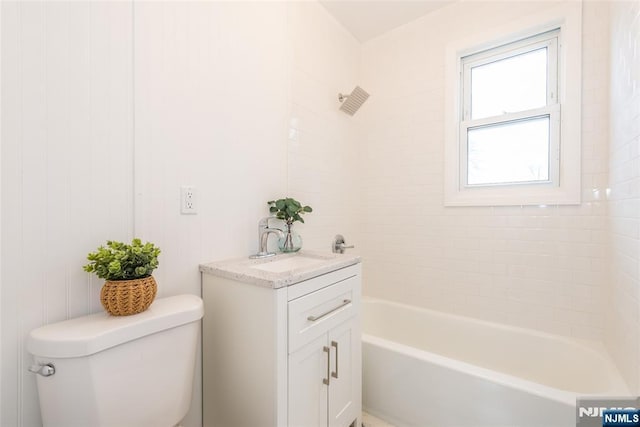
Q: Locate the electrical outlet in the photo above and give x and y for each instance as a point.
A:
(188, 204)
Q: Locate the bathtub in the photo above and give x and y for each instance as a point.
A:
(426, 368)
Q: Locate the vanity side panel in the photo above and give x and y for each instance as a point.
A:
(244, 344)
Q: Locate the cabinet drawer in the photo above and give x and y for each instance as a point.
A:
(319, 282)
(314, 314)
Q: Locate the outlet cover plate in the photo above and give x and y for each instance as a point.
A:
(188, 205)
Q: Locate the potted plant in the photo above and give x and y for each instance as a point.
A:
(129, 288)
(289, 210)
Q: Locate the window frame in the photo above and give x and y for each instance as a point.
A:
(562, 23)
(548, 40)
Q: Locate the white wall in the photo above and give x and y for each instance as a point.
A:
(210, 111)
(66, 169)
(322, 146)
(0, 214)
(108, 108)
(211, 105)
(538, 267)
(623, 332)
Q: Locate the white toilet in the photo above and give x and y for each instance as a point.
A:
(109, 371)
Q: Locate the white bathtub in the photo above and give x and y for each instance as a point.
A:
(425, 368)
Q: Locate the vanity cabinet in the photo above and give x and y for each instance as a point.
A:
(286, 356)
(323, 344)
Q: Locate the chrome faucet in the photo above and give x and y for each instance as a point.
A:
(263, 237)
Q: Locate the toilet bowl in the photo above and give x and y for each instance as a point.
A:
(110, 371)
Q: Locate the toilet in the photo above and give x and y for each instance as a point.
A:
(111, 371)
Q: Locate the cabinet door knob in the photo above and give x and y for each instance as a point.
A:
(335, 344)
(328, 351)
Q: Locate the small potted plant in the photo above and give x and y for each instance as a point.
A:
(289, 210)
(129, 288)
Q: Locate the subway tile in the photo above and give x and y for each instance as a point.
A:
(540, 262)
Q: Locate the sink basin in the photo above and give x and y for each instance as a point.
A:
(286, 264)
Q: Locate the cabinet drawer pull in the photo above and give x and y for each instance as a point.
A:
(328, 351)
(314, 318)
(335, 374)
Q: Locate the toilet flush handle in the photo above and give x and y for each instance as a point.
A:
(44, 369)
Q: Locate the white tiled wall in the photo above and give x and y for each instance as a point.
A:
(539, 267)
(623, 326)
(322, 146)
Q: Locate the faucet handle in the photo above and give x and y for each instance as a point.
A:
(264, 222)
(338, 245)
(263, 235)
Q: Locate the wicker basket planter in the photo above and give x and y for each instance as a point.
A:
(126, 297)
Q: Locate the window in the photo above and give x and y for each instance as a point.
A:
(513, 128)
(509, 108)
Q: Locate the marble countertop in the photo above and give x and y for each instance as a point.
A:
(286, 270)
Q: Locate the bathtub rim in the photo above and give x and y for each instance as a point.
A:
(618, 387)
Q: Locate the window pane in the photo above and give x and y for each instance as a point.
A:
(509, 152)
(513, 84)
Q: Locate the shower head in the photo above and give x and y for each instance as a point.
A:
(351, 103)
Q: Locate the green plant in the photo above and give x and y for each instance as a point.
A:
(119, 261)
(289, 210)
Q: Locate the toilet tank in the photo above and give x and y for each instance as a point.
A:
(113, 371)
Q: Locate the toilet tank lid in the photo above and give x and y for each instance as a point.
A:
(87, 335)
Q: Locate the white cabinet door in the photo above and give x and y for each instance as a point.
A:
(332, 358)
(344, 382)
(308, 368)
